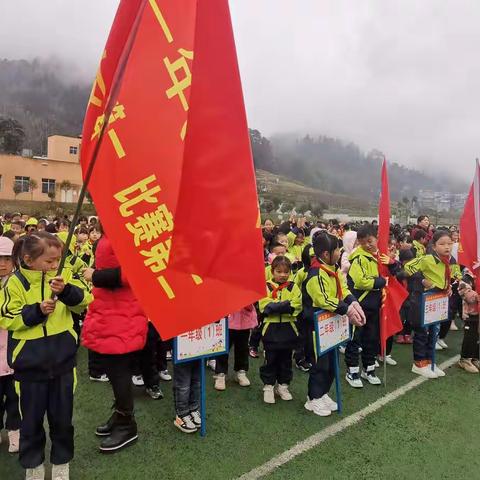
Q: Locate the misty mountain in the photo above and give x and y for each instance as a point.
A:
(337, 166)
(38, 96)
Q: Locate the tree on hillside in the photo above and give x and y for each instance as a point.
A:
(12, 135)
(262, 152)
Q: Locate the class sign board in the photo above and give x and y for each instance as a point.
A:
(208, 341)
(331, 330)
(434, 308)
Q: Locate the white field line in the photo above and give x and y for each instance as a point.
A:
(319, 437)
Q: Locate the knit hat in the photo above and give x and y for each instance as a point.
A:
(6, 247)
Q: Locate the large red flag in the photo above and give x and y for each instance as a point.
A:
(173, 181)
(469, 248)
(394, 294)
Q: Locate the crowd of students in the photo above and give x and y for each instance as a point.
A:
(308, 267)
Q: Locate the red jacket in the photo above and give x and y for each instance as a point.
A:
(115, 322)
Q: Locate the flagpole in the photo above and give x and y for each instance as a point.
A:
(122, 63)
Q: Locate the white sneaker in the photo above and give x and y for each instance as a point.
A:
(390, 360)
(283, 392)
(377, 365)
(453, 326)
(102, 378)
(137, 380)
(438, 371)
(37, 473)
(442, 343)
(426, 371)
(220, 382)
(353, 377)
(438, 346)
(318, 407)
(268, 395)
(333, 406)
(370, 376)
(242, 379)
(165, 376)
(341, 350)
(169, 355)
(211, 364)
(61, 472)
(14, 441)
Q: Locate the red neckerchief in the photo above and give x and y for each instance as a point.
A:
(448, 272)
(316, 264)
(278, 289)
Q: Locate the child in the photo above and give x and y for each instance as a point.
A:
(280, 308)
(37, 309)
(437, 274)
(366, 284)
(412, 285)
(469, 360)
(8, 396)
(326, 289)
(420, 243)
(186, 394)
(296, 244)
(239, 326)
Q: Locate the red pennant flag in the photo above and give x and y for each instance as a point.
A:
(173, 181)
(394, 294)
(469, 248)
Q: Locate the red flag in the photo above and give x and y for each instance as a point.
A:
(173, 181)
(469, 248)
(394, 294)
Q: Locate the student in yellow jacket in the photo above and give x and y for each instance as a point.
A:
(420, 242)
(437, 270)
(326, 289)
(280, 309)
(42, 349)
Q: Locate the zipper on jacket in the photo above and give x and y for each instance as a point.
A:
(44, 326)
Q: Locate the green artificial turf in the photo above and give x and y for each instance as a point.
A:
(432, 425)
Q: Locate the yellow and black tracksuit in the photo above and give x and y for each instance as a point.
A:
(325, 288)
(366, 284)
(432, 268)
(280, 309)
(418, 249)
(42, 351)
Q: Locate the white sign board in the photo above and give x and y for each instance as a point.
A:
(435, 308)
(332, 330)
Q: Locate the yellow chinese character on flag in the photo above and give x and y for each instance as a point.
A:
(145, 192)
(151, 225)
(157, 256)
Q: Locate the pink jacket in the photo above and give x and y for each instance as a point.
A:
(4, 368)
(245, 319)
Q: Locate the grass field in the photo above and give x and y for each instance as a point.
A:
(430, 433)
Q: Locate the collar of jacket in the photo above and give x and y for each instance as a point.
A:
(35, 276)
(360, 252)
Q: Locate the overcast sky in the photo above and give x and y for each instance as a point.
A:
(400, 76)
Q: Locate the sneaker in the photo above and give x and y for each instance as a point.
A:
(453, 326)
(424, 368)
(303, 365)
(376, 364)
(342, 349)
(37, 473)
(165, 376)
(253, 352)
(61, 472)
(476, 362)
(389, 360)
(400, 339)
(438, 371)
(370, 376)
(438, 346)
(185, 424)
(318, 406)
(442, 343)
(123, 434)
(169, 355)
(467, 365)
(211, 364)
(137, 380)
(196, 418)
(14, 441)
(155, 392)
(268, 395)
(408, 339)
(242, 379)
(220, 382)
(101, 378)
(283, 392)
(353, 377)
(333, 406)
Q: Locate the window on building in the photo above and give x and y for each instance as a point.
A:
(73, 150)
(48, 185)
(23, 183)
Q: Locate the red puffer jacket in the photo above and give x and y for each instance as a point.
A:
(115, 322)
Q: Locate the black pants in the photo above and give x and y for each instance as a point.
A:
(255, 337)
(470, 346)
(9, 404)
(148, 358)
(304, 350)
(366, 337)
(186, 387)
(424, 340)
(277, 367)
(238, 340)
(163, 346)
(321, 375)
(54, 398)
(407, 327)
(95, 367)
(119, 369)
